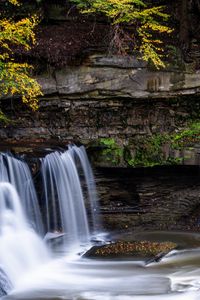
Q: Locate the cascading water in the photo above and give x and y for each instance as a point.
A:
(21, 250)
(65, 206)
(80, 154)
(18, 174)
(24, 259)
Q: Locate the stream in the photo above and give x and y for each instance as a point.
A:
(51, 265)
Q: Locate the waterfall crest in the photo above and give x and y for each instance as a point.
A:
(64, 200)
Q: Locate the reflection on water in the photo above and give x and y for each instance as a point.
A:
(176, 276)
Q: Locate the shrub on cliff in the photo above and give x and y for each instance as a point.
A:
(15, 77)
(148, 23)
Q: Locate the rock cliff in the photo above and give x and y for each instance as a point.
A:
(109, 97)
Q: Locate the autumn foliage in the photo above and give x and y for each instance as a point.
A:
(15, 77)
(148, 23)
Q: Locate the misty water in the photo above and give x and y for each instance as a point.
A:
(47, 262)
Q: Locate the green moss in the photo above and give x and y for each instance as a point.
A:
(4, 119)
(150, 151)
(187, 137)
(111, 151)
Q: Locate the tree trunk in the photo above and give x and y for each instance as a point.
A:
(184, 24)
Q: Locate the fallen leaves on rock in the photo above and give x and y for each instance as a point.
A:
(145, 248)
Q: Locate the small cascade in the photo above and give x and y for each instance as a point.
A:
(21, 249)
(79, 154)
(65, 207)
(18, 174)
(67, 178)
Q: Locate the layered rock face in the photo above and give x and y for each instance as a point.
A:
(105, 77)
(108, 101)
(108, 97)
(160, 198)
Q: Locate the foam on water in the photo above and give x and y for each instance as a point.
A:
(21, 249)
(25, 259)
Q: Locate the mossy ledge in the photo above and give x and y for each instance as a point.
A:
(152, 150)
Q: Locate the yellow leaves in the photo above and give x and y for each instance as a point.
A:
(4, 56)
(15, 77)
(152, 26)
(150, 53)
(20, 32)
(154, 11)
(111, 8)
(14, 2)
(15, 80)
(147, 21)
(150, 47)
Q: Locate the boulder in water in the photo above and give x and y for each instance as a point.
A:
(141, 249)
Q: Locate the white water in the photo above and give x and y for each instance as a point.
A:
(80, 153)
(21, 249)
(18, 174)
(76, 278)
(65, 207)
(25, 258)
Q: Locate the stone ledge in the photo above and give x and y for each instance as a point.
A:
(103, 77)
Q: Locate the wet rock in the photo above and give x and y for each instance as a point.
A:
(136, 249)
(168, 199)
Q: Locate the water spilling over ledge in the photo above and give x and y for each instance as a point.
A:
(21, 248)
(36, 268)
(18, 174)
(61, 182)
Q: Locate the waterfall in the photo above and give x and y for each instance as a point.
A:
(68, 193)
(18, 174)
(64, 200)
(80, 154)
(21, 249)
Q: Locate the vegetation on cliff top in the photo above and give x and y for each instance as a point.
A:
(149, 22)
(17, 36)
(15, 77)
